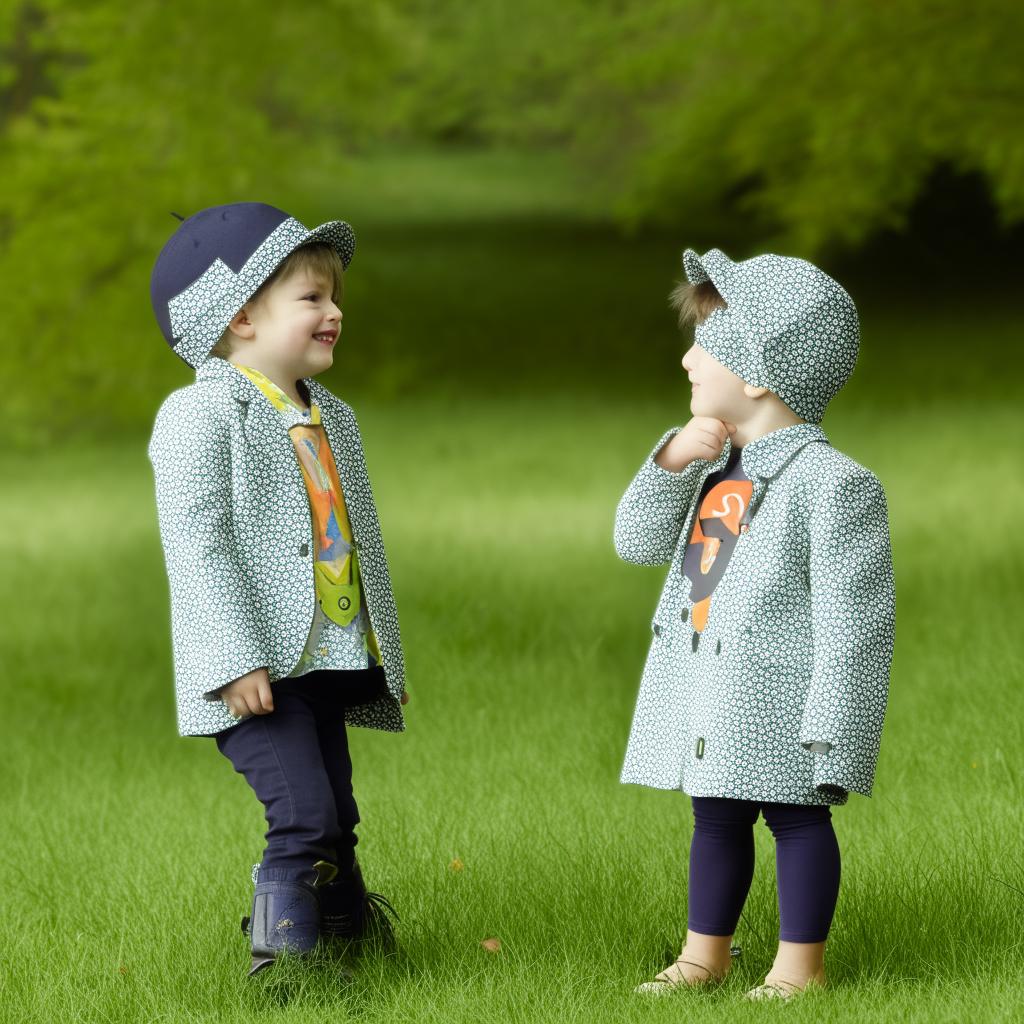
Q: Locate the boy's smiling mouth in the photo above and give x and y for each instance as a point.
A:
(326, 337)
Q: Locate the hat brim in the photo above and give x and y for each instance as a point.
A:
(693, 268)
(336, 233)
(233, 290)
(713, 266)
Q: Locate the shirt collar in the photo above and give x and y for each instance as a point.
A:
(766, 455)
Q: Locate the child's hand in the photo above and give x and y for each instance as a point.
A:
(405, 697)
(249, 694)
(702, 438)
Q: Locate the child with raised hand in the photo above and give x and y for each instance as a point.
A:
(767, 679)
(283, 625)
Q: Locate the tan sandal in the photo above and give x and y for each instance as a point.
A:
(664, 983)
(781, 989)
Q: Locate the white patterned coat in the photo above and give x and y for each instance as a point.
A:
(228, 481)
(799, 637)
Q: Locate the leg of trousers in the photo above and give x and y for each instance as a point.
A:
(807, 868)
(337, 761)
(297, 762)
(722, 866)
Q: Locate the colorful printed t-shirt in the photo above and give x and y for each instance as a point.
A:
(716, 528)
(340, 636)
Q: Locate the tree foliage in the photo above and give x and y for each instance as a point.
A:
(808, 123)
(816, 122)
(112, 115)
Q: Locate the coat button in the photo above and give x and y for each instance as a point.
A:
(304, 550)
(684, 614)
(695, 639)
(657, 629)
(718, 647)
(700, 746)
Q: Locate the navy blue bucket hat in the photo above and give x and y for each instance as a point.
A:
(217, 260)
(787, 326)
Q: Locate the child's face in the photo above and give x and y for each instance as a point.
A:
(716, 390)
(280, 330)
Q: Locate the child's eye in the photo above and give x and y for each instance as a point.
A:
(313, 295)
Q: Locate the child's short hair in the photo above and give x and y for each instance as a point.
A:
(318, 258)
(695, 302)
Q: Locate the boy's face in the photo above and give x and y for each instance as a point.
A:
(292, 329)
(716, 390)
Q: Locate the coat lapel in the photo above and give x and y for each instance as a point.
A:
(264, 426)
(766, 456)
(266, 430)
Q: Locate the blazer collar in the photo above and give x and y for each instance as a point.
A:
(766, 455)
(244, 389)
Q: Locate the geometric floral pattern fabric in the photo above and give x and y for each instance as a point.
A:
(787, 326)
(228, 482)
(797, 644)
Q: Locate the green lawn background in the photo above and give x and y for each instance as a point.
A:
(509, 378)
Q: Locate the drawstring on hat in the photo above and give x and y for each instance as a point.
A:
(178, 215)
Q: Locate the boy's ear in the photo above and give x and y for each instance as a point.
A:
(241, 326)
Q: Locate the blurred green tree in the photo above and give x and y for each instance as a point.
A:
(801, 124)
(110, 112)
(817, 123)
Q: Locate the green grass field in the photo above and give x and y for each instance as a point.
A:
(127, 850)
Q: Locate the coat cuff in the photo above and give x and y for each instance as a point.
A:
(215, 694)
(842, 767)
(667, 477)
(654, 508)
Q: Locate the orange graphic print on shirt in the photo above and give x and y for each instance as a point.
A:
(335, 565)
(716, 528)
(339, 592)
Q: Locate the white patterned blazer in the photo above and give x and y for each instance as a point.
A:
(799, 637)
(228, 481)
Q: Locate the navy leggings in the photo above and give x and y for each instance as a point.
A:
(722, 866)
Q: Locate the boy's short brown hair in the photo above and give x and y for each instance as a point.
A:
(695, 302)
(319, 259)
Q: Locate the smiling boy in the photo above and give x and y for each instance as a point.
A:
(284, 628)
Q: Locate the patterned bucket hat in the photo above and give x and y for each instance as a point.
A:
(217, 259)
(787, 326)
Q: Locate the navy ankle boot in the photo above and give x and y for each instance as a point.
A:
(285, 914)
(348, 912)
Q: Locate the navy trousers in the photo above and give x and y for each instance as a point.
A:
(722, 866)
(296, 760)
